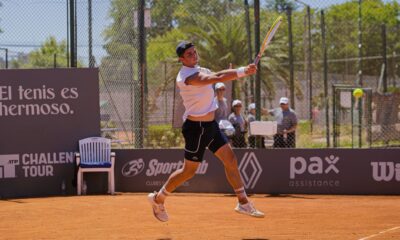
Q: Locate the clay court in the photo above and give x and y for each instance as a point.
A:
(201, 216)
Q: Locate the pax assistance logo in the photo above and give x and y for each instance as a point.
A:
(250, 169)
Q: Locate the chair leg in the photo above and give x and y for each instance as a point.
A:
(112, 183)
(109, 182)
(79, 182)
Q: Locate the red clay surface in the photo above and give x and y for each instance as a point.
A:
(201, 216)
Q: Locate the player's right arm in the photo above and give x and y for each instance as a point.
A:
(201, 79)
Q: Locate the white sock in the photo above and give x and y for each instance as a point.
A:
(162, 194)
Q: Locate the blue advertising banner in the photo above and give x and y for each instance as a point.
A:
(43, 114)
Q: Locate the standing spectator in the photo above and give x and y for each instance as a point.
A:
(222, 111)
(239, 123)
(287, 123)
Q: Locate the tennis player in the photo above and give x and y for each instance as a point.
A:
(201, 131)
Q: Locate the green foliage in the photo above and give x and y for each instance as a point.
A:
(120, 35)
(342, 32)
(44, 56)
(163, 136)
(393, 89)
(280, 5)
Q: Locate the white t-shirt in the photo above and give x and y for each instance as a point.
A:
(198, 100)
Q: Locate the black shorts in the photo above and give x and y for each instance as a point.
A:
(198, 136)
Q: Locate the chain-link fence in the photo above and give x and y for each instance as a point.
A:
(319, 44)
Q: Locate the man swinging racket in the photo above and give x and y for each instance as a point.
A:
(201, 131)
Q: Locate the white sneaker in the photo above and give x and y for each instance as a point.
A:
(158, 208)
(249, 209)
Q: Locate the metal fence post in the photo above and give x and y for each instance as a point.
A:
(384, 58)
(139, 133)
(72, 27)
(291, 66)
(326, 95)
(258, 74)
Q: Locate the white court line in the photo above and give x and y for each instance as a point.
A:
(381, 232)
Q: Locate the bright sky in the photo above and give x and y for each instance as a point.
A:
(27, 23)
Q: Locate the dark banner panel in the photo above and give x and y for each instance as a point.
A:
(316, 171)
(43, 114)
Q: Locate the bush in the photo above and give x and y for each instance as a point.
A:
(164, 136)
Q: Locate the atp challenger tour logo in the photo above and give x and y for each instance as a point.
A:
(7, 165)
(385, 171)
(249, 164)
(320, 167)
(33, 164)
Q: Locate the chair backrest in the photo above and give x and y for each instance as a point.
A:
(95, 150)
(265, 128)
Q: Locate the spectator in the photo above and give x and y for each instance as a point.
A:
(239, 123)
(222, 111)
(287, 123)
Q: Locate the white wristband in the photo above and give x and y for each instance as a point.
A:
(241, 72)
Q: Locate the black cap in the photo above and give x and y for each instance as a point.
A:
(182, 46)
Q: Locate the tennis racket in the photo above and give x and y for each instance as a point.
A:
(270, 34)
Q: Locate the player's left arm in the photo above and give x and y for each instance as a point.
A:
(201, 79)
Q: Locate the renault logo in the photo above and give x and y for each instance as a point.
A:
(250, 169)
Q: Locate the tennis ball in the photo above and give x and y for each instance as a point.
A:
(358, 92)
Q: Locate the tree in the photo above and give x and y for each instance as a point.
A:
(280, 5)
(45, 56)
(342, 34)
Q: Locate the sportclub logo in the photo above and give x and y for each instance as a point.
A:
(155, 167)
(7, 165)
(133, 167)
(385, 171)
(250, 169)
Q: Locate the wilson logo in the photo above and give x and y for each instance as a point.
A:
(385, 171)
(133, 168)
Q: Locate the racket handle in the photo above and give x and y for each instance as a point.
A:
(257, 59)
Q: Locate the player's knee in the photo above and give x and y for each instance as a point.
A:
(189, 172)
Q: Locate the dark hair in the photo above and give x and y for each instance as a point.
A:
(182, 46)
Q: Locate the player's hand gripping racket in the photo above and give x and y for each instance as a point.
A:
(268, 38)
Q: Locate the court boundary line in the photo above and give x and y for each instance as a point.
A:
(379, 233)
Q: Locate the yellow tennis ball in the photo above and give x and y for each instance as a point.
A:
(358, 92)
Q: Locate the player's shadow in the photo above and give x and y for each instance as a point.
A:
(13, 200)
(288, 196)
(254, 238)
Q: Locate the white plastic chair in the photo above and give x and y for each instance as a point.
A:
(95, 156)
(263, 128)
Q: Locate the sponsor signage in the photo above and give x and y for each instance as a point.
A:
(43, 114)
(314, 171)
